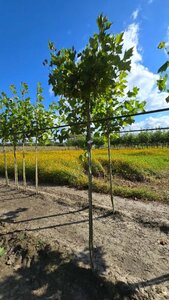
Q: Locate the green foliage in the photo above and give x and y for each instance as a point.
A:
(162, 82)
(142, 139)
(162, 45)
(96, 75)
(78, 141)
(24, 114)
(43, 119)
(4, 117)
(20, 120)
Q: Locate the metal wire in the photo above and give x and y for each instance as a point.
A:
(104, 120)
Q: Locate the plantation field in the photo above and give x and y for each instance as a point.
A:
(138, 173)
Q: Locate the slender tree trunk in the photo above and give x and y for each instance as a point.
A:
(24, 165)
(36, 165)
(110, 173)
(89, 148)
(5, 164)
(15, 167)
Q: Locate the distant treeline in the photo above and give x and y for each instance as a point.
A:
(143, 139)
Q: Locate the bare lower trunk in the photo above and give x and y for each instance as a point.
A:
(5, 165)
(36, 166)
(89, 148)
(15, 167)
(110, 173)
(24, 165)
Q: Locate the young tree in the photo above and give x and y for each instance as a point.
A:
(25, 123)
(43, 120)
(81, 79)
(116, 102)
(20, 119)
(4, 129)
(13, 125)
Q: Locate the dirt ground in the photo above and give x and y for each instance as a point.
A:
(131, 255)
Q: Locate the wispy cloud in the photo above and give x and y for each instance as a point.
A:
(135, 14)
(131, 35)
(167, 36)
(150, 122)
(150, 1)
(51, 93)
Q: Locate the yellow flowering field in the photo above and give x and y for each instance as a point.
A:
(137, 172)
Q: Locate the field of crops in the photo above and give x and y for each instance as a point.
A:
(138, 173)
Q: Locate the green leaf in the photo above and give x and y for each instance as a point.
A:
(164, 67)
(161, 83)
(119, 38)
(128, 54)
(167, 99)
(51, 45)
(161, 45)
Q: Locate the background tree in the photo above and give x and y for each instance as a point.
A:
(156, 138)
(144, 138)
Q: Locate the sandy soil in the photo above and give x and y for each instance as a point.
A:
(131, 247)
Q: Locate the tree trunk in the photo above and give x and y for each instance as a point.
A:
(110, 173)
(15, 167)
(24, 165)
(36, 165)
(5, 165)
(89, 148)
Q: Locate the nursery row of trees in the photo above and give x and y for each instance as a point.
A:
(91, 85)
(22, 121)
(143, 139)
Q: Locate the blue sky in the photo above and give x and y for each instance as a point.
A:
(26, 26)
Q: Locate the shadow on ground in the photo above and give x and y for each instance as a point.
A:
(50, 276)
(37, 271)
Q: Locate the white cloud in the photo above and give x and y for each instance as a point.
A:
(150, 1)
(167, 36)
(51, 93)
(140, 75)
(135, 14)
(131, 40)
(150, 122)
